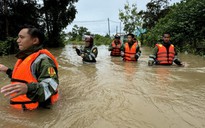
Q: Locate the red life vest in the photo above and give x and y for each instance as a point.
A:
(163, 57)
(130, 52)
(116, 49)
(22, 73)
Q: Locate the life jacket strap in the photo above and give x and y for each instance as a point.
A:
(21, 102)
(18, 80)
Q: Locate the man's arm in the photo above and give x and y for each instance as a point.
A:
(90, 55)
(78, 51)
(47, 76)
(153, 56)
(138, 53)
(9, 72)
(110, 48)
(5, 69)
(176, 59)
(122, 49)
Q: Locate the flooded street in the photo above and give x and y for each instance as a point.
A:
(115, 94)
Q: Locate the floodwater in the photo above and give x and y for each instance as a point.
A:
(115, 94)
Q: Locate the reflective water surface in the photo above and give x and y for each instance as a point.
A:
(115, 94)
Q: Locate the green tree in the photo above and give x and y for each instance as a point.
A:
(13, 16)
(78, 32)
(58, 14)
(156, 9)
(51, 16)
(130, 18)
(185, 22)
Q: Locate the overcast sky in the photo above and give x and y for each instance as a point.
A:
(93, 14)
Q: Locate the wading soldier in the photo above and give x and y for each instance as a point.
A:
(34, 78)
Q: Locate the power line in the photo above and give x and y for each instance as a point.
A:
(91, 21)
(101, 22)
(95, 21)
(114, 21)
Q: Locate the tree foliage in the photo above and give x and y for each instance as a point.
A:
(14, 14)
(156, 9)
(51, 16)
(58, 14)
(185, 22)
(130, 18)
(78, 32)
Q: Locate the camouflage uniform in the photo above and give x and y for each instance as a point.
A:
(36, 91)
(90, 53)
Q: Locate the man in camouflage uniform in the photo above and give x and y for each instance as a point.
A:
(43, 69)
(89, 52)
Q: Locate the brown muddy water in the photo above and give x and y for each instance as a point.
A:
(115, 94)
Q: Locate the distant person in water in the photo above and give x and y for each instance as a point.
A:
(130, 51)
(164, 53)
(89, 52)
(115, 46)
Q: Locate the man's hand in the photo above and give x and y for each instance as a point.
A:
(3, 68)
(150, 62)
(178, 62)
(74, 46)
(14, 90)
(137, 55)
(122, 53)
(181, 65)
(82, 55)
(132, 57)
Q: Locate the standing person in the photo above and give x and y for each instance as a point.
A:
(34, 79)
(89, 52)
(115, 46)
(164, 53)
(130, 51)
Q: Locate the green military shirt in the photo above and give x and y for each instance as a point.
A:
(90, 53)
(42, 90)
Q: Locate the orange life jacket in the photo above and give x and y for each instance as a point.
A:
(163, 57)
(130, 52)
(116, 49)
(22, 73)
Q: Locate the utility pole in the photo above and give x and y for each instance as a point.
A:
(108, 26)
(120, 27)
(116, 29)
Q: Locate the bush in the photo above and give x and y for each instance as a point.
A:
(8, 46)
(102, 40)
